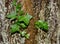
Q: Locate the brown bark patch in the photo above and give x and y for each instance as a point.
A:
(28, 7)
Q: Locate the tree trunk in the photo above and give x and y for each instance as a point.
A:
(46, 10)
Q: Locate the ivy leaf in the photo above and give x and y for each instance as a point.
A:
(25, 19)
(21, 12)
(39, 24)
(27, 36)
(14, 28)
(42, 25)
(23, 25)
(20, 18)
(18, 7)
(23, 33)
(12, 15)
(17, 22)
(45, 26)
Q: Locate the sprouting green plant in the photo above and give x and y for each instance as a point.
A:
(14, 28)
(21, 21)
(12, 15)
(41, 25)
(25, 18)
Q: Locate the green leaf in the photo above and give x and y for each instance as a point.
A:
(14, 28)
(21, 12)
(20, 18)
(14, 2)
(25, 19)
(45, 26)
(18, 7)
(42, 25)
(12, 15)
(23, 25)
(27, 36)
(23, 33)
(17, 22)
(39, 24)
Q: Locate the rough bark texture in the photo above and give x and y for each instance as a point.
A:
(50, 13)
(47, 10)
(31, 8)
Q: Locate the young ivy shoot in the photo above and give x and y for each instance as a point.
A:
(41, 25)
(21, 20)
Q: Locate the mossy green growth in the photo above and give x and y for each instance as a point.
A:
(42, 25)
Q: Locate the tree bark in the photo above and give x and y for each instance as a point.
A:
(49, 13)
(46, 10)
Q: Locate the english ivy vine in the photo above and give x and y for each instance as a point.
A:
(21, 21)
(40, 24)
